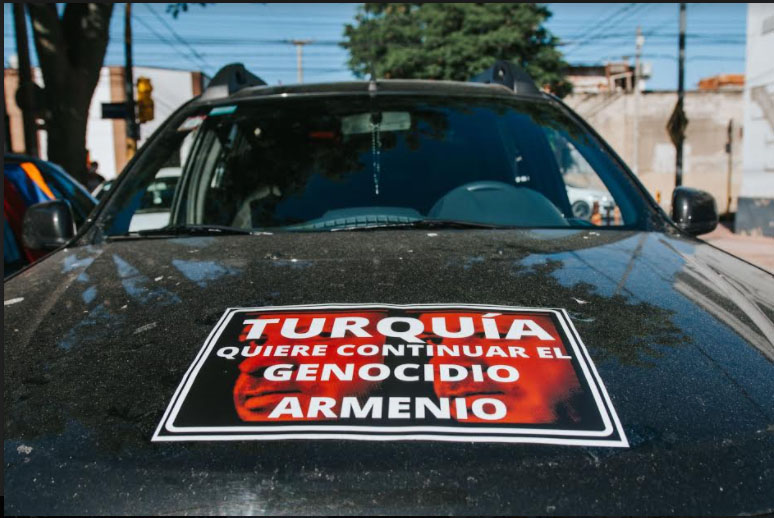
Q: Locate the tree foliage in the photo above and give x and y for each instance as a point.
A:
(453, 41)
(71, 43)
(180, 7)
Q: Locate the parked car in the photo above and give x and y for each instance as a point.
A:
(102, 189)
(153, 211)
(375, 298)
(27, 181)
(584, 200)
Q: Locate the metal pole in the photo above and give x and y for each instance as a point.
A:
(132, 129)
(299, 62)
(8, 143)
(638, 41)
(730, 151)
(25, 81)
(680, 95)
(299, 57)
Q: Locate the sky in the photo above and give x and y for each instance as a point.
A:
(206, 38)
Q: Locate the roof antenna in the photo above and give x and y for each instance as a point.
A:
(371, 62)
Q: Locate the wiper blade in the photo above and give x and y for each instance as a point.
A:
(210, 230)
(189, 230)
(423, 224)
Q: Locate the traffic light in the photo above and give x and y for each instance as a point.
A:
(144, 101)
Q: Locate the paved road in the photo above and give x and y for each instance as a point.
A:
(756, 249)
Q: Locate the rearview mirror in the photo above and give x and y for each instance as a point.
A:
(694, 211)
(48, 225)
(364, 122)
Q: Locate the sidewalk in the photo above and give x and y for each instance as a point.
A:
(756, 249)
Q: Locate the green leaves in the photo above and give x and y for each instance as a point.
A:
(176, 8)
(453, 41)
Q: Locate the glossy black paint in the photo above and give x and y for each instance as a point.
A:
(680, 332)
(48, 225)
(694, 211)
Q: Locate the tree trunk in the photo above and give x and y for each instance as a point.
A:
(70, 51)
(66, 127)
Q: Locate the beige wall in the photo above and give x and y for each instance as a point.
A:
(10, 85)
(705, 161)
(106, 139)
(117, 95)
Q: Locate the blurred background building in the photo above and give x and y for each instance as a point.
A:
(756, 198)
(712, 153)
(106, 138)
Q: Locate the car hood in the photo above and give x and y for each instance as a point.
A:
(98, 337)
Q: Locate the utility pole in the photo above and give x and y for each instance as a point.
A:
(299, 57)
(132, 129)
(680, 95)
(639, 40)
(730, 152)
(25, 81)
(8, 143)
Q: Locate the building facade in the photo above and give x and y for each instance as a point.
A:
(712, 151)
(756, 199)
(106, 138)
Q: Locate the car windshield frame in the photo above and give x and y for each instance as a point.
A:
(649, 215)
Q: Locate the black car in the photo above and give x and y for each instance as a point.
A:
(375, 298)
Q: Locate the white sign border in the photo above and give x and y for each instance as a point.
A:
(411, 433)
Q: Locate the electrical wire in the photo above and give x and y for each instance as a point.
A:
(165, 40)
(177, 36)
(603, 25)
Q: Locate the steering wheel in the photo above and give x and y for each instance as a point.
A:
(498, 203)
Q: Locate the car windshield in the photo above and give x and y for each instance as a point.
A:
(158, 195)
(337, 163)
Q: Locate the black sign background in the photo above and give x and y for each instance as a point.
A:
(203, 409)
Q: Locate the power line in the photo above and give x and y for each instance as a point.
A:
(177, 36)
(258, 67)
(271, 48)
(279, 41)
(332, 44)
(284, 56)
(601, 26)
(165, 40)
(653, 34)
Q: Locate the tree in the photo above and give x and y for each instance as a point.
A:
(453, 41)
(179, 7)
(70, 49)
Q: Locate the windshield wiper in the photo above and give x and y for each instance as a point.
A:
(422, 224)
(214, 230)
(187, 230)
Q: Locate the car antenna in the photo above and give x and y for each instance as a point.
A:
(371, 61)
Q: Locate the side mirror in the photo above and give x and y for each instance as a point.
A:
(694, 211)
(48, 225)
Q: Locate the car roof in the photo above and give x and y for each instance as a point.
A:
(169, 172)
(402, 86)
(49, 169)
(503, 79)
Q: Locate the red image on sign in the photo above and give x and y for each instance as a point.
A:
(541, 386)
(387, 372)
(255, 396)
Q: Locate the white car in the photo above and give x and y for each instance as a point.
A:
(157, 201)
(582, 201)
